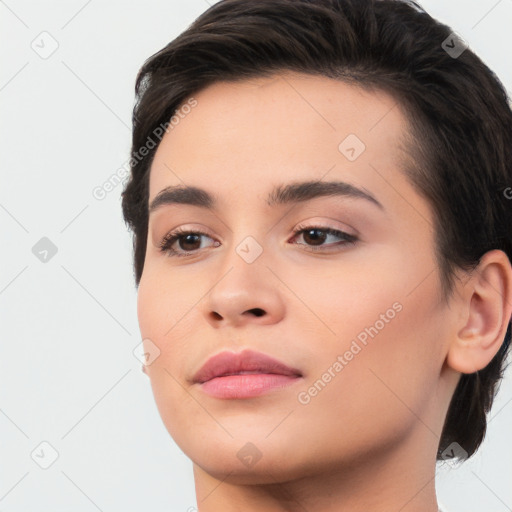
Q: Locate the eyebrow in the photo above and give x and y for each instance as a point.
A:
(281, 194)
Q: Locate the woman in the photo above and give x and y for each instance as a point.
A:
(322, 247)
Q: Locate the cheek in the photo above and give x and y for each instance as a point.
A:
(387, 329)
(150, 306)
(167, 315)
(159, 312)
(398, 357)
(376, 398)
(163, 301)
(161, 316)
(349, 295)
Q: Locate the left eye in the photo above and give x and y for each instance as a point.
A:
(316, 236)
(190, 241)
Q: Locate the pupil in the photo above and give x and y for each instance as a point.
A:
(188, 240)
(317, 240)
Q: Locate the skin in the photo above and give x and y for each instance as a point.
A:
(368, 439)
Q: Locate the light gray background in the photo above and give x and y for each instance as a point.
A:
(68, 375)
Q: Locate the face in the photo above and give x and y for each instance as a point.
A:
(343, 287)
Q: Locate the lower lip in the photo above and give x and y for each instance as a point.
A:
(246, 385)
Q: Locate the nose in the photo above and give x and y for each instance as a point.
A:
(245, 293)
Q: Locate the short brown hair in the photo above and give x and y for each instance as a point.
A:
(458, 112)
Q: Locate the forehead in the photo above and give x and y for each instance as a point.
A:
(249, 135)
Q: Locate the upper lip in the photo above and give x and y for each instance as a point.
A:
(233, 363)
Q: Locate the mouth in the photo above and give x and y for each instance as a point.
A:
(244, 375)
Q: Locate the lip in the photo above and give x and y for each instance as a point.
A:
(244, 374)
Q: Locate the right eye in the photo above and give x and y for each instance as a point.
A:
(186, 240)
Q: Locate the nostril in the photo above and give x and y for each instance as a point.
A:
(257, 311)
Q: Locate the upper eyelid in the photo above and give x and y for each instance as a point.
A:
(303, 224)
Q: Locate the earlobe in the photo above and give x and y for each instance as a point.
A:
(487, 309)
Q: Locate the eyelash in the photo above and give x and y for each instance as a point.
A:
(170, 238)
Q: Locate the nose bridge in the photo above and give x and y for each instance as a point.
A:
(249, 240)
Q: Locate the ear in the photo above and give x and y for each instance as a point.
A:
(485, 308)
